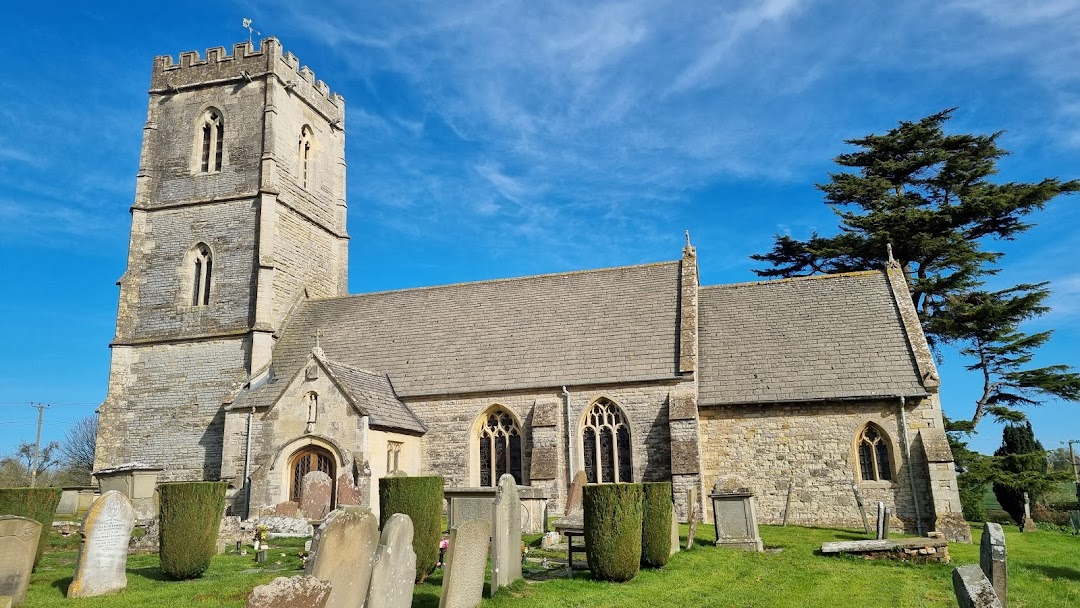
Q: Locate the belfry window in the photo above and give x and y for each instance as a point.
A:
(500, 448)
(605, 444)
(305, 158)
(393, 455)
(212, 141)
(874, 461)
(203, 263)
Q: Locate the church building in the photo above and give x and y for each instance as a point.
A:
(240, 355)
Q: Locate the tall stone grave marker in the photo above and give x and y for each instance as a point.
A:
(992, 557)
(882, 521)
(394, 572)
(342, 554)
(692, 516)
(573, 497)
(505, 534)
(102, 564)
(674, 531)
(315, 490)
(18, 547)
(466, 561)
(1029, 524)
(292, 592)
(972, 588)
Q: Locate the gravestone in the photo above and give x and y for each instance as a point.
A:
(1029, 524)
(992, 558)
(292, 592)
(505, 534)
(972, 588)
(102, 563)
(466, 561)
(342, 554)
(692, 516)
(674, 531)
(1074, 520)
(315, 490)
(18, 547)
(734, 515)
(573, 497)
(882, 521)
(394, 572)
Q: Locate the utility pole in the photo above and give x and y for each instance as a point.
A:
(37, 443)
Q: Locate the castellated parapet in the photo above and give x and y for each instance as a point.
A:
(245, 65)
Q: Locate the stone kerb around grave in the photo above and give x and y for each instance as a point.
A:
(18, 547)
(343, 553)
(102, 563)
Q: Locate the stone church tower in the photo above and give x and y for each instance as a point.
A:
(239, 214)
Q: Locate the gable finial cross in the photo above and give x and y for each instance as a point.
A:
(318, 337)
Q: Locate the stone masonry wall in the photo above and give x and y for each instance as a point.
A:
(814, 445)
(450, 420)
(164, 406)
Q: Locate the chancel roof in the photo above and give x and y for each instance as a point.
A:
(825, 337)
(590, 327)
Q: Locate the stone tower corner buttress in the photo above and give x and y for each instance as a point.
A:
(239, 211)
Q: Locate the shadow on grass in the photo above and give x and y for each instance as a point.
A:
(63, 584)
(427, 601)
(152, 573)
(1056, 571)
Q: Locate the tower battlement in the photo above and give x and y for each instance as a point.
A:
(246, 63)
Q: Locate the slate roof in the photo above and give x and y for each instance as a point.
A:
(374, 396)
(589, 327)
(827, 337)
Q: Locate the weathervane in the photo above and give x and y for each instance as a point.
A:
(251, 30)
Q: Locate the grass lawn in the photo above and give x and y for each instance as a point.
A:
(1044, 571)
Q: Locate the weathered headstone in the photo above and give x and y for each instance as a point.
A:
(18, 547)
(394, 572)
(882, 521)
(292, 592)
(342, 554)
(992, 556)
(315, 490)
(573, 497)
(505, 534)
(693, 516)
(674, 531)
(102, 563)
(734, 515)
(466, 561)
(972, 588)
(862, 508)
(1029, 524)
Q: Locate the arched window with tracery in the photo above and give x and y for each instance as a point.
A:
(202, 263)
(212, 141)
(875, 463)
(306, 460)
(305, 158)
(605, 443)
(500, 448)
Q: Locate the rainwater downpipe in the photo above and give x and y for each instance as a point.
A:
(569, 440)
(247, 465)
(907, 459)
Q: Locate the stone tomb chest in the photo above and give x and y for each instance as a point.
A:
(138, 482)
(464, 504)
(734, 516)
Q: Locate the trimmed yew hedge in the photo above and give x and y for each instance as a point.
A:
(421, 498)
(656, 524)
(613, 530)
(190, 517)
(39, 504)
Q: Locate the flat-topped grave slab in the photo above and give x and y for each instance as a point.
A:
(902, 549)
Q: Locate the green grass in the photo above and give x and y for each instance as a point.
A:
(1044, 571)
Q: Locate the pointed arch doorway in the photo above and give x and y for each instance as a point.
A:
(305, 460)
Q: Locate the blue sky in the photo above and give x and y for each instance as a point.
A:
(502, 139)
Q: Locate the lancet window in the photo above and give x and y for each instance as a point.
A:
(212, 141)
(203, 265)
